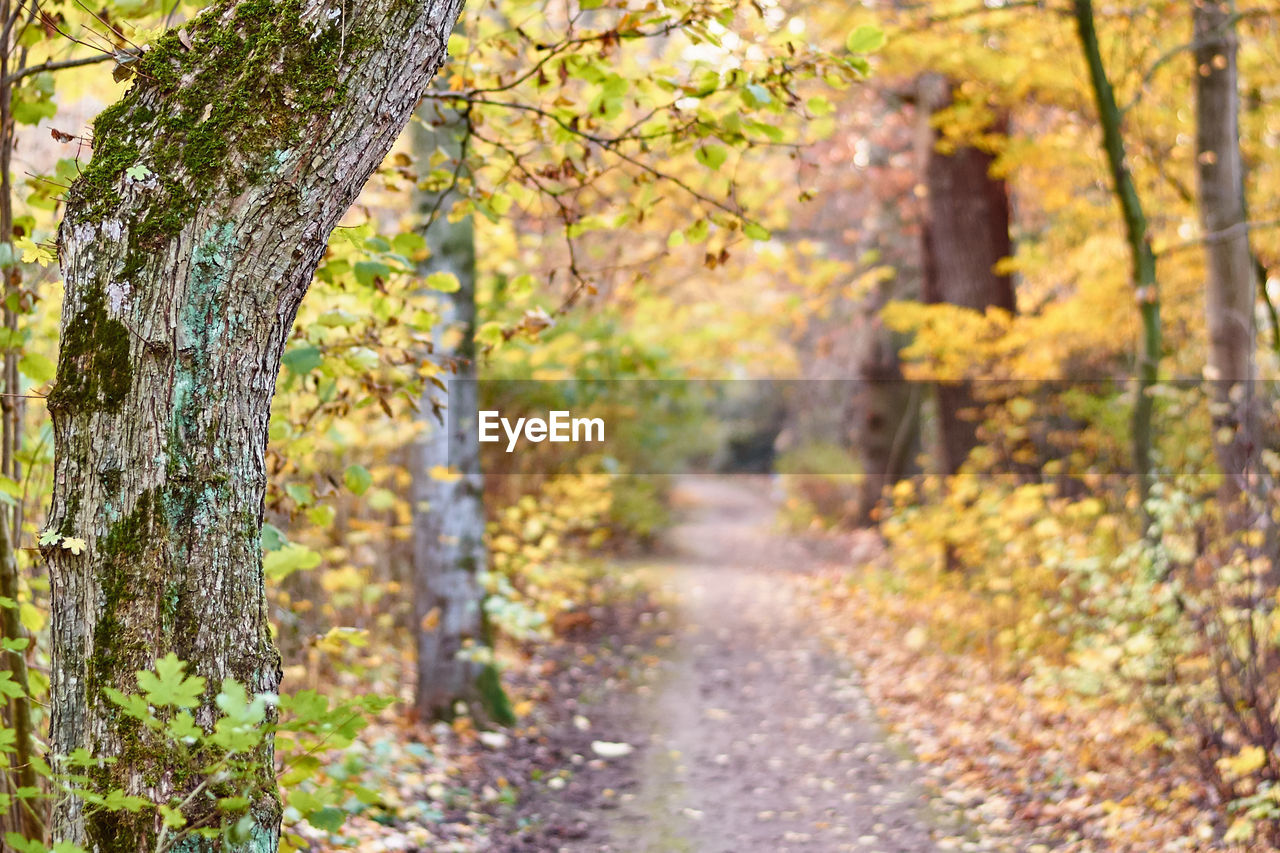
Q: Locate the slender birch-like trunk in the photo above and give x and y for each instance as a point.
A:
(1231, 282)
(1142, 258)
(449, 552)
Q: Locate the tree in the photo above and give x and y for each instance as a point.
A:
(1142, 258)
(188, 243)
(964, 235)
(449, 551)
(1231, 280)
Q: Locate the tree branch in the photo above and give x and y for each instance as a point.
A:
(54, 65)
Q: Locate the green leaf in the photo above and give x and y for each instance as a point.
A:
(712, 156)
(445, 282)
(117, 800)
(755, 231)
(302, 360)
(9, 687)
(329, 819)
(819, 106)
(233, 804)
(490, 334)
(337, 318)
(31, 617)
(240, 730)
(183, 728)
(81, 757)
(299, 493)
(278, 565)
(408, 243)
(368, 272)
(132, 704)
(33, 111)
(363, 359)
(865, 39)
(169, 684)
(698, 231)
(173, 818)
(22, 844)
(36, 367)
(756, 95)
(358, 479)
(273, 538)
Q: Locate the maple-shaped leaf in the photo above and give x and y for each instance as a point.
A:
(169, 684)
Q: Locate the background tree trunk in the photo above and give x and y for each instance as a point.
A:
(1231, 273)
(887, 432)
(22, 814)
(449, 550)
(188, 244)
(965, 233)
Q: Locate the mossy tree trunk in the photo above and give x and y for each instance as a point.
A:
(188, 243)
(1142, 258)
(449, 552)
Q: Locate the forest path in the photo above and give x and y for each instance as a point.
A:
(755, 738)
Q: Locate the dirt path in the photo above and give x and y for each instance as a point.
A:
(754, 739)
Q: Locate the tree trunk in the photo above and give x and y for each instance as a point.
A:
(22, 815)
(1142, 259)
(965, 234)
(1229, 298)
(887, 430)
(449, 553)
(188, 244)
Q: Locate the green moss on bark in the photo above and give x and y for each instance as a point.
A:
(118, 649)
(215, 116)
(493, 698)
(94, 367)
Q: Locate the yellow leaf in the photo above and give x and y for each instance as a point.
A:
(1241, 830)
(444, 475)
(1245, 762)
(32, 618)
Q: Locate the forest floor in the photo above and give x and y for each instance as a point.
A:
(748, 734)
(728, 695)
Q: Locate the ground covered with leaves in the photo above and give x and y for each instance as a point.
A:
(455, 788)
(1022, 756)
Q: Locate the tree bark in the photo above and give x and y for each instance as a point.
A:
(188, 243)
(965, 233)
(449, 551)
(1232, 276)
(887, 431)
